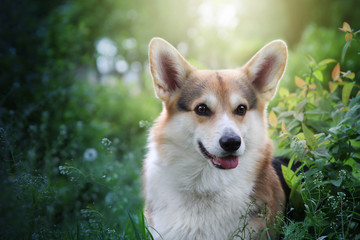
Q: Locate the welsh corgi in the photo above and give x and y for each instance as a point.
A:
(208, 172)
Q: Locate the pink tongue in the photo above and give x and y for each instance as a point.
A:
(227, 162)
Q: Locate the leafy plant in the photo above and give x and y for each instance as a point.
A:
(350, 36)
(319, 126)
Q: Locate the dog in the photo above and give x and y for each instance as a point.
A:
(208, 172)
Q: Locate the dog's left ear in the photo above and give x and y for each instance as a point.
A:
(168, 67)
(266, 68)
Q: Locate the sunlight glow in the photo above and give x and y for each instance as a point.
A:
(222, 16)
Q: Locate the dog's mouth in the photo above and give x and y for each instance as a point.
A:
(228, 162)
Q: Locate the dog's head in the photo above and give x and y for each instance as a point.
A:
(218, 114)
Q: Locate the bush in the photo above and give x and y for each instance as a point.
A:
(319, 126)
(85, 181)
(70, 149)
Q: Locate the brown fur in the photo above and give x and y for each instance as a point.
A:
(268, 193)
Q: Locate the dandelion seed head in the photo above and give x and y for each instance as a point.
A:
(90, 154)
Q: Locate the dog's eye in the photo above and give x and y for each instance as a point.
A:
(202, 110)
(241, 110)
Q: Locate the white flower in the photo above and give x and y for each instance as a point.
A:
(106, 142)
(90, 154)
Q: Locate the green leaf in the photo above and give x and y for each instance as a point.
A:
(355, 166)
(322, 238)
(320, 68)
(326, 61)
(298, 147)
(346, 93)
(346, 46)
(349, 75)
(290, 177)
(287, 114)
(300, 136)
(283, 92)
(355, 101)
(299, 116)
(321, 153)
(309, 137)
(300, 106)
(297, 201)
(319, 75)
(336, 183)
(293, 181)
(136, 231)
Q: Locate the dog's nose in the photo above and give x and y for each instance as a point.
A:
(230, 142)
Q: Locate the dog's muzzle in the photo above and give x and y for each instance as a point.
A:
(227, 162)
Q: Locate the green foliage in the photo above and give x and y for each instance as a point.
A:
(71, 143)
(350, 36)
(70, 148)
(90, 168)
(319, 126)
(137, 229)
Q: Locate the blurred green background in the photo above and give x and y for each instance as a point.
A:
(76, 97)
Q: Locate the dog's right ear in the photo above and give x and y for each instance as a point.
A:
(266, 68)
(168, 68)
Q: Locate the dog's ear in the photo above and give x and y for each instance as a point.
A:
(266, 68)
(168, 68)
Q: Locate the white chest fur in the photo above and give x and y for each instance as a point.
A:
(207, 203)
